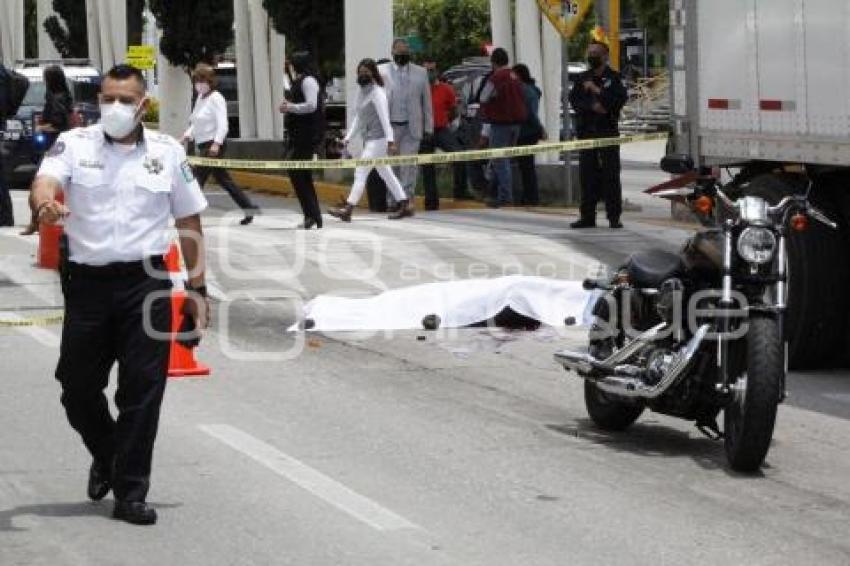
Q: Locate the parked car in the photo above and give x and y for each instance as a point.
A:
(21, 145)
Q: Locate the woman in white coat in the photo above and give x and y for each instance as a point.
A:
(373, 119)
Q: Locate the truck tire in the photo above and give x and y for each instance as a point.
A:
(607, 412)
(815, 322)
(750, 417)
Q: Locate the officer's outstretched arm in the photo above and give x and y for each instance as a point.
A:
(43, 202)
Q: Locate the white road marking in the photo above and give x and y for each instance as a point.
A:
(320, 485)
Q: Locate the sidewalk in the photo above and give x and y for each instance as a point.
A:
(643, 155)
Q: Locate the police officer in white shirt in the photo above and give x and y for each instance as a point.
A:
(122, 184)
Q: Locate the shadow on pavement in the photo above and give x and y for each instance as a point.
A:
(653, 440)
(63, 510)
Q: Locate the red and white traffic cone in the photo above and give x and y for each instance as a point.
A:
(181, 360)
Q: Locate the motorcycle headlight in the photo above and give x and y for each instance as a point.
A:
(756, 245)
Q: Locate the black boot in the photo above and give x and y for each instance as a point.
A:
(134, 512)
(403, 211)
(100, 481)
(343, 213)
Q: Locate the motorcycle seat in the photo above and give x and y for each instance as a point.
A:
(648, 270)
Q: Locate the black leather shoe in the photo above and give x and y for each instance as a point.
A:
(134, 512)
(309, 223)
(583, 224)
(615, 224)
(100, 482)
(247, 220)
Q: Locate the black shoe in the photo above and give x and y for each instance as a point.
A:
(100, 482)
(492, 203)
(615, 224)
(583, 224)
(309, 223)
(247, 220)
(134, 512)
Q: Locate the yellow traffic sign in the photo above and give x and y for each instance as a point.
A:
(143, 63)
(565, 15)
(141, 51)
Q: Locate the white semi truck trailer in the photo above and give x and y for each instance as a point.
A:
(762, 87)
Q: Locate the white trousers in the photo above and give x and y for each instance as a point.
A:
(375, 148)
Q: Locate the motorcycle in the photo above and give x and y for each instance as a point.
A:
(699, 332)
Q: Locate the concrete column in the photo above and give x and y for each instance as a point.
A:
(529, 50)
(368, 33)
(550, 112)
(277, 55)
(46, 49)
(175, 95)
(260, 57)
(93, 34)
(244, 70)
(500, 24)
(12, 31)
(111, 31)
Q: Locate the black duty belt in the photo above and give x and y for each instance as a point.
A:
(399, 123)
(118, 269)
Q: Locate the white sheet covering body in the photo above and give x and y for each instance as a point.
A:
(457, 303)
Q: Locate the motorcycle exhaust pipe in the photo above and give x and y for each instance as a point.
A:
(624, 380)
(587, 366)
(638, 389)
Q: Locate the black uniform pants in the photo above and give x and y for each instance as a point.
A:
(445, 140)
(302, 180)
(222, 177)
(528, 171)
(599, 170)
(105, 324)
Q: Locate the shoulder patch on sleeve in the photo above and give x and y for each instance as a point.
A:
(58, 148)
(186, 171)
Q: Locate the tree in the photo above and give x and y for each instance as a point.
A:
(317, 26)
(193, 31)
(449, 29)
(69, 39)
(135, 21)
(654, 15)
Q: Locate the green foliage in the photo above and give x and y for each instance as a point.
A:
(654, 15)
(70, 39)
(581, 39)
(317, 26)
(193, 31)
(152, 114)
(450, 29)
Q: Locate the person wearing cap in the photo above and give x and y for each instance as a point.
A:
(123, 184)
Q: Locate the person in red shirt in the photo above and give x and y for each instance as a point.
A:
(444, 101)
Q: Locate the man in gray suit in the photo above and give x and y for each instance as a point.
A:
(411, 113)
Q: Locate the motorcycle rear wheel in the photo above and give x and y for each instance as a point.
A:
(750, 417)
(608, 412)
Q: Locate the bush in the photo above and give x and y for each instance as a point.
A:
(152, 114)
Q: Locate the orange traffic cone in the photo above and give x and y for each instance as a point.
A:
(172, 259)
(182, 362)
(48, 242)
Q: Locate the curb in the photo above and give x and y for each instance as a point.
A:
(328, 193)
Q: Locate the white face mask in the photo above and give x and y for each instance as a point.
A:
(118, 119)
(202, 88)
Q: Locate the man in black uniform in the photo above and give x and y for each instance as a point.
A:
(597, 97)
(122, 184)
(304, 120)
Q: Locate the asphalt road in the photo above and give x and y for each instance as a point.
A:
(467, 447)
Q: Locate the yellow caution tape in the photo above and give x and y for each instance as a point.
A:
(427, 159)
(38, 321)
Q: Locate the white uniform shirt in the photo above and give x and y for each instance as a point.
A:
(121, 198)
(208, 121)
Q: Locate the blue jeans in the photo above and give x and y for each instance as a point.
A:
(503, 135)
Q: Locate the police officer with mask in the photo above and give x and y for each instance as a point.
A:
(598, 97)
(122, 185)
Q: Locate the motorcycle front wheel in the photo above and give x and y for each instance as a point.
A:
(608, 412)
(750, 416)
